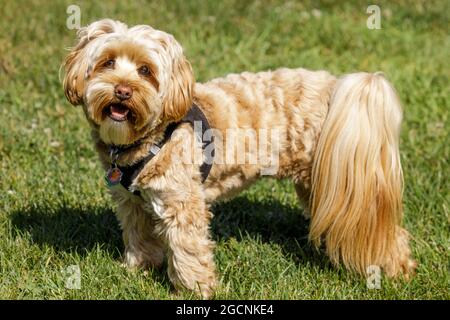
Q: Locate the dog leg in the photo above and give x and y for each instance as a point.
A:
(400, 262)
(142, 248)
(303, 196)
(185, 228)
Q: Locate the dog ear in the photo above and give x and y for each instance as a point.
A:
(76, 63)
(179, 94)
(75, 66)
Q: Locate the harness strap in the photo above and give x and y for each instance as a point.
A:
(129, 173)
(193, 115)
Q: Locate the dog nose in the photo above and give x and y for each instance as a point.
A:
(123, 92)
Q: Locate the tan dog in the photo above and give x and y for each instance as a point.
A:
(337, 139)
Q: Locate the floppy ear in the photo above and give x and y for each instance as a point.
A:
(76, 64)
(178, 99)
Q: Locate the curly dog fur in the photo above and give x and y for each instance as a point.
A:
(337, 139)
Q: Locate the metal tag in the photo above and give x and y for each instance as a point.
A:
(113, 177)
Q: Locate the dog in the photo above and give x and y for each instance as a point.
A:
(336, 138)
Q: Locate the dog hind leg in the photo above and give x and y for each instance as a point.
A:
(303, 197)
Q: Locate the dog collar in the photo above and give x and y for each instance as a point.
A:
(125, 175)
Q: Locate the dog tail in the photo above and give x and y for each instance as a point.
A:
(356, 199)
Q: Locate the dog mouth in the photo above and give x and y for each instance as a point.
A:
(118, 112)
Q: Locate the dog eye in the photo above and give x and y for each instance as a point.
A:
(144, 70)
(109, 64)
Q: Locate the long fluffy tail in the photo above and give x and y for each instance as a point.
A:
(356, 200)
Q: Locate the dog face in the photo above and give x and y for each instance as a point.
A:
(129, 80)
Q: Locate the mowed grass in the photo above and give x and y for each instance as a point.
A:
(54, 208)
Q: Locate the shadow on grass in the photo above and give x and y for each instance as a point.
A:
(70, 229)
(269, 221)
(82, 229)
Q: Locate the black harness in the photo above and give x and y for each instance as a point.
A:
(126, 174)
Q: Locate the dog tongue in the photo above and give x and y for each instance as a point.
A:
(118, 111)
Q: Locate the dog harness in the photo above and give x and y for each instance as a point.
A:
(126, 174)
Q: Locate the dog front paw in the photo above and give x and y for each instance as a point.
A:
(204, 288)
(141, 260)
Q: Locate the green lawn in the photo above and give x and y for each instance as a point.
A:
(54, 208)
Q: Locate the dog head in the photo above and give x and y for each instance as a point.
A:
(129, 80)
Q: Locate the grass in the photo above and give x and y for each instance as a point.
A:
(54, 208)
